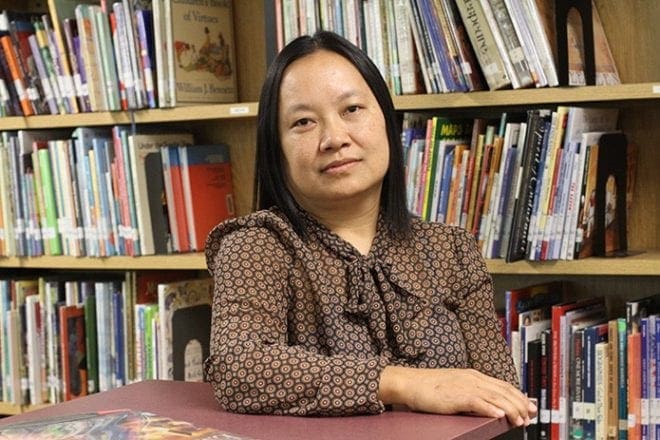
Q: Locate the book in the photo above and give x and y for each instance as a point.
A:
(184, 320)
(529, 297)
(143, 144)
(602, 398)
(202, 48)
(122, 423)
(73, 351)
(562, 316)
(207, 189)
(606, 70)
(483, 42)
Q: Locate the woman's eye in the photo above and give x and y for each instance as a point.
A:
(352, 109)
(301, 122)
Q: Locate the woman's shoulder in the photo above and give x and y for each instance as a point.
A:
(256, 225)
(425, 230)
(265, 230)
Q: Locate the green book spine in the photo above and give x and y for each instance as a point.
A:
(51, 232)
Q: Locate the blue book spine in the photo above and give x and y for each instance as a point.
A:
(446, 183)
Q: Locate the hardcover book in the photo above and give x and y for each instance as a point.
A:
(203, 45)
(184, 310)
(207, 189)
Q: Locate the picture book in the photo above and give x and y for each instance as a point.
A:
(118, 424)
(201, 45)
(184, 310)
(207, 189)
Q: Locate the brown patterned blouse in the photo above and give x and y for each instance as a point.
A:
(306, 327)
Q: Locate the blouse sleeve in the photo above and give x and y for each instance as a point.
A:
(251, 366)
(486, 348)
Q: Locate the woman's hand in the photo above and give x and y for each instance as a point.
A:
(453, 390)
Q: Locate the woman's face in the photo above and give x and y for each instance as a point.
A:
(333, 133)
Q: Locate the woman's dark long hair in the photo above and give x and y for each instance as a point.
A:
(270, 181)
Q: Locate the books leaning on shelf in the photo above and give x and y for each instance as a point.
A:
(122, 423)
(451, 46)
(68, 335)
(541, 185)
(110, 191)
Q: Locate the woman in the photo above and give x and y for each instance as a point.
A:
(332, 299)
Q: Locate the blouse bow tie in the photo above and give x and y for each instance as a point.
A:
(392, 312)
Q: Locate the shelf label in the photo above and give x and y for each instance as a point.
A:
(242, 110)
(656, 88)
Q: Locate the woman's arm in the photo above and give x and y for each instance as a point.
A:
(489, 386)
(251, 367)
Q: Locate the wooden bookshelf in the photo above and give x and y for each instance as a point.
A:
(622, 94)
(191, 261)
(10, 409)
(632, 31)
(148, 116)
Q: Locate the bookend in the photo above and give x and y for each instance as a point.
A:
(584, 8)
(610, 229)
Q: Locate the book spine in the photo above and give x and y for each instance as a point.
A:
(65, 81)
(483, 42)
(16, 76)
(601, 396)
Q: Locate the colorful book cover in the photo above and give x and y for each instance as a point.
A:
(203, 46)
(114, 424)
(184, 309)
(208, 189)
(530, 297)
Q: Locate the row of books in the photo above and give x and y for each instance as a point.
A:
(545, 185)
(110, 191)
(594, 377)
(83, 57)
(66, 336)
(425, 46)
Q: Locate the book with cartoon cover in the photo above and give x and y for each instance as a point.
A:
(114, 424)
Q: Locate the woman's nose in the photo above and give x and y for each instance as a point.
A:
(335, 135)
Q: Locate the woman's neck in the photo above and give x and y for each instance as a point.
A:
(357, 225)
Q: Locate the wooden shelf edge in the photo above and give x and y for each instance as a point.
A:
(529, 97)
(10, 409)
(641, 264)
(191, 261)
(176, 114)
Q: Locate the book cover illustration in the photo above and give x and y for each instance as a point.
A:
(115, 424)
(203, 45)
(185, 326)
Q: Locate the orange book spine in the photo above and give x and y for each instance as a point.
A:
(16, 75)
